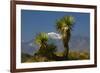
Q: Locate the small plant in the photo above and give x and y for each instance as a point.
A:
(46, 51)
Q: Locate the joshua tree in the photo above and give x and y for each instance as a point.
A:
(64, 26)
(46, 49)
(41, 39)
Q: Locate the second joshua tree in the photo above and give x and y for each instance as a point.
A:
(64, 26)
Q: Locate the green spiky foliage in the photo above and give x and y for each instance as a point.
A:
(45, 49)
(41, 39)
(64, 27)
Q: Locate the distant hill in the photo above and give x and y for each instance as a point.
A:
(28, 47)
(77, 43)
(80, 43)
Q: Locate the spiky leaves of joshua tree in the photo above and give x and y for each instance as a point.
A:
(41, 39)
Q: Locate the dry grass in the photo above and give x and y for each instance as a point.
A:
(73, 55)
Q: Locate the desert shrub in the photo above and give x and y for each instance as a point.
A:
(59, 53)
(45, 54)
(39, 58)
(25, 57)
(84, 55)
(73, 55)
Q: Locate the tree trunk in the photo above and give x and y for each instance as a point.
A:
(66, 39)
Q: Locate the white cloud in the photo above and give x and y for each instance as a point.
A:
(31, 44)
(54, 35)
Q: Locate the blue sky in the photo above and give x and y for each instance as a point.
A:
(33, 22)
